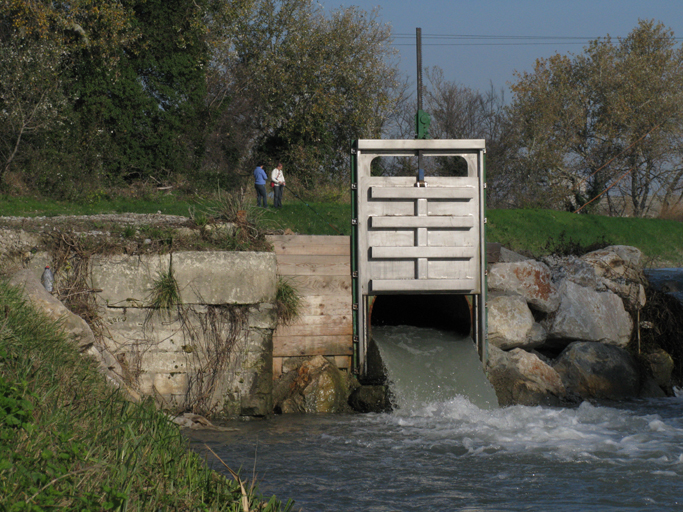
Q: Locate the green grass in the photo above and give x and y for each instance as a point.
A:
(530, 231)
(534, 231)
(314, 219)
(167, 204)
(69, 441)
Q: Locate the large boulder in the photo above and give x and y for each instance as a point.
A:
(615, 260)
(73, 325)
(661, 366)
(318, 386)
(587, 315)
(596, 370)
(522, 378)
(511, 324)
(574, 269)
(618, 269)
(374, 398)
(530, 279)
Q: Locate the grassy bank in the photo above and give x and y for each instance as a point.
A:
(538, 232)
(69, 441)
(535, 232)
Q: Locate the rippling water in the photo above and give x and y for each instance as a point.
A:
(449, 454)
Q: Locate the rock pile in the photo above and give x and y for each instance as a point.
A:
(558, 328)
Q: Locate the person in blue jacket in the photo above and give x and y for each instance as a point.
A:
(260, 178)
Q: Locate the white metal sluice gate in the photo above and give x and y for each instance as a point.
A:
(417, 237)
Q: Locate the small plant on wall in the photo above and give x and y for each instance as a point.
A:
(165, 293)
(288, 301)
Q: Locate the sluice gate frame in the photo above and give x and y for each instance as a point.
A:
(417, 237)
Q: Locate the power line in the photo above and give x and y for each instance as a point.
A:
(498, 40)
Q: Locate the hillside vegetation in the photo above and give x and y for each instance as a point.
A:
(69, 441)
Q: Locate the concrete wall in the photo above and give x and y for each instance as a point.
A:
(212, 354)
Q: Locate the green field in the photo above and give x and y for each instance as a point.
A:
(534, 232)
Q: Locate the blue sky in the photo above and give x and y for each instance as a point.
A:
(479, 61)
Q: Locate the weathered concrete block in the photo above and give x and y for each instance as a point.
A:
(165, 362)
(263, 316)
(203, 277)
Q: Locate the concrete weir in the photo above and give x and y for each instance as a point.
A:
(211, 354)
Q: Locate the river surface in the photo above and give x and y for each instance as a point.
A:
(448, 447)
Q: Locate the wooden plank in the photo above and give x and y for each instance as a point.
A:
(422, 252)
(423, 285)
(292, 240)
(318, 249)
(277, 367)
(463, 192)
(342, 362)
(317, 305)
(321, 285)
(304, 265)
(415, 221)
(293, 346)
(319, 245)
(327, 325)
(493, 252)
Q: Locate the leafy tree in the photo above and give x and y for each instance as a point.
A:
(313, 83)
(38, 41)
(608, 117)
(151, 106)
(31, 95)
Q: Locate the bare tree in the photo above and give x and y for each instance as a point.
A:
(608, 121)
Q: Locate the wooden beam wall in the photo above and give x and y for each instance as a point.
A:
(319, 268)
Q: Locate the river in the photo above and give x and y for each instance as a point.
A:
(448, 448)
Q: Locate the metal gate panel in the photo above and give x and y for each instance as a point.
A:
(418, 238)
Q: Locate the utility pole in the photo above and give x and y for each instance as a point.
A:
(422, 119)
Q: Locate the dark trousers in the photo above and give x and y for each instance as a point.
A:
(261, 195)
(277, 196)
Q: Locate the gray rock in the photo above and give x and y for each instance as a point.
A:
(596, 370)
(72, 324)
(508, 256)
(511, 324)
(614, 262)
(522, 378)
(316, 387)
(530, 279)
(573, 269)
(370, 399)
(631, 255)
(661, 366)
(587, 315)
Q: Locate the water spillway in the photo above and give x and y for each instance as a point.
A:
(426, 365)
(426, 353)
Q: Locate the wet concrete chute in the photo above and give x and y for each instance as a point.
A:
(418, 244)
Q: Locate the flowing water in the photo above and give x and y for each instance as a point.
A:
(448, 447)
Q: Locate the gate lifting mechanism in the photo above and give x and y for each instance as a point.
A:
(412, 237)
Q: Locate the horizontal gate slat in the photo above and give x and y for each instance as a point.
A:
(422, 285)
(440, 221)
(466, 192)
(423, 252)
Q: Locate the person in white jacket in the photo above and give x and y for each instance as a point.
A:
(278, 180)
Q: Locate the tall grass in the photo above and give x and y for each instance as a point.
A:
(69, 441)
